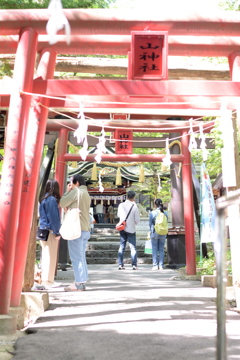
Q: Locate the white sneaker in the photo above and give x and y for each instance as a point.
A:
(155, 267)
(75, 287)
(49, 284)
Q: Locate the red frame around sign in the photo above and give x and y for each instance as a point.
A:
(148, 56)
(120, 145)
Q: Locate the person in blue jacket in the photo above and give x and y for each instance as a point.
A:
(158, 241)
(49, 218)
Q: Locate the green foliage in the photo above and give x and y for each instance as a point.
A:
(207, 266)
(5, 68)
(214, 161)
(230, 5)
(43, 4)
(152, 187)
(1, 162)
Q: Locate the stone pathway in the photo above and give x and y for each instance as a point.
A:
(134, 315)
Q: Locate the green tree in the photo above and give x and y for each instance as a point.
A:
(230, 5)
(67, 4)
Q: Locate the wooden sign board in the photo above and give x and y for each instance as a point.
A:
(123, 141)
(148, 57)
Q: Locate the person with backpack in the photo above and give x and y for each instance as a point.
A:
(128, 211)
(158, 223)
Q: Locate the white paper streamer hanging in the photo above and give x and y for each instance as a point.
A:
(84, 150)
(192, 140)
(203, 144)
(167, 159)
(101, 188)
(101, 147)
(57, 22)
(228, 153)
(81, 132)
(159, 183)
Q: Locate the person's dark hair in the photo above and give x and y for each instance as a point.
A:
(78, 178)
(52, 189)
(131, 194)
(159, 204)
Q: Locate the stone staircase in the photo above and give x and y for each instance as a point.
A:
(104, 243)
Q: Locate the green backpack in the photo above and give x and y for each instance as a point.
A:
(161, 224)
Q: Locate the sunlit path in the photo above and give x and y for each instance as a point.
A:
(129, 314)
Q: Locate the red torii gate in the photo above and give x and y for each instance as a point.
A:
(95, 32)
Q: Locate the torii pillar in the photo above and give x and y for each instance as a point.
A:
(188, 205)
(33, 152)
(13, 167)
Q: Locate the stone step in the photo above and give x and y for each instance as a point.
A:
(104, 226)
(100, 251)
(111, 253)
(103, 238)
(114, 261)
(111, 245)
(111, 237)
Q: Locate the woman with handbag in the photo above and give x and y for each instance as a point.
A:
(49, 219)
(77, 196)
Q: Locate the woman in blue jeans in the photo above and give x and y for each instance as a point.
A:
(158, 241)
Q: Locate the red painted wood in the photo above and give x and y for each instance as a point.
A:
(88, 25)
(33, 155)
(122, 22)
(234, 65)
(13, 167)
(137, 87)
(121, 44)
(136, 102)
(125, 157)
(136, 125)
(60, 164)
(188, 206)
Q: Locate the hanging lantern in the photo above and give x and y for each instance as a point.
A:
(94, 172)
(118, 177)
(141, 174)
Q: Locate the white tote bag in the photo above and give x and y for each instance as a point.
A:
(148, 247)
(71, 226)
